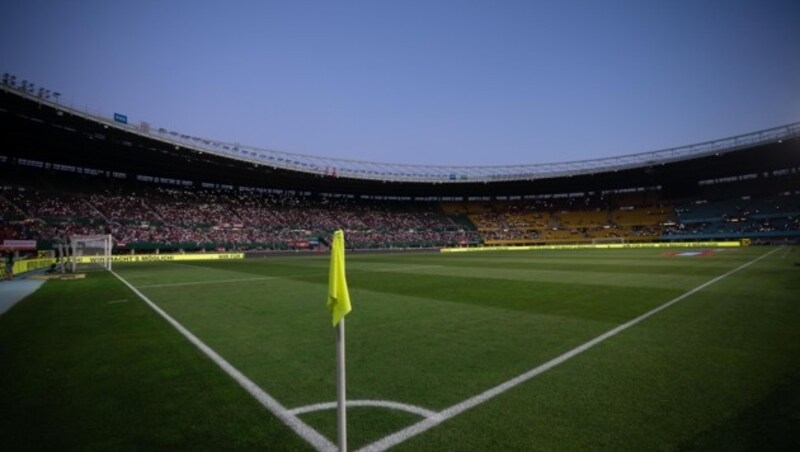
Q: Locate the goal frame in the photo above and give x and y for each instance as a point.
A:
(77, 256)
(609, 240)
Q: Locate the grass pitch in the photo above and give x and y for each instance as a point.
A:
(87, 365)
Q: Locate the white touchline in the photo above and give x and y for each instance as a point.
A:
(432, 421)
(318, 441)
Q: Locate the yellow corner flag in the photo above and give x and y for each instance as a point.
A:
(338, 296)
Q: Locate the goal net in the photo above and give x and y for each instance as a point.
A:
(607, 240)
(90, 252)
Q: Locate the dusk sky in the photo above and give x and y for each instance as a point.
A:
(427, 82)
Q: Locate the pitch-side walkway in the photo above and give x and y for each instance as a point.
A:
(15, 290)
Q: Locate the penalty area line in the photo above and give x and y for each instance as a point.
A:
(213, 281)
(305, 431)
(267, 278)
(426, 424)
(121, 300)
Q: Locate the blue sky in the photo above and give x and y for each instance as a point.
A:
(428, 82)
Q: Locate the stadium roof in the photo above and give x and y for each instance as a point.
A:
(438, 174)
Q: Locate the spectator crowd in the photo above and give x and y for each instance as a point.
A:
(167, 218)
(171, 218)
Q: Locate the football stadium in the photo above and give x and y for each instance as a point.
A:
(634, 303)
(547, 226)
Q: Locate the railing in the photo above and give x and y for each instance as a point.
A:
(392, 172)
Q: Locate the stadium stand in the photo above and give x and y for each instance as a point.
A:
(740, 217)
(68, 172)
(570, 219)
(147, 218)
(167, 218)
(159, 218)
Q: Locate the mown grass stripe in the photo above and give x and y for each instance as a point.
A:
(267, 278)
(605, 278)
(426, 424)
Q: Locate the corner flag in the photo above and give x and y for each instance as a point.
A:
(338, 296)
(339, 304)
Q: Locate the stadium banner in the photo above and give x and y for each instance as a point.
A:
(161, 257)
(598, 246)
(26, 265)
(19, 244)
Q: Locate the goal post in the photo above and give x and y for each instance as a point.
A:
(90, 252)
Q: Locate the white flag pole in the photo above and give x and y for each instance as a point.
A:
(340, 387)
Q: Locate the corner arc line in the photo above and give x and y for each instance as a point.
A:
(413, 409)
